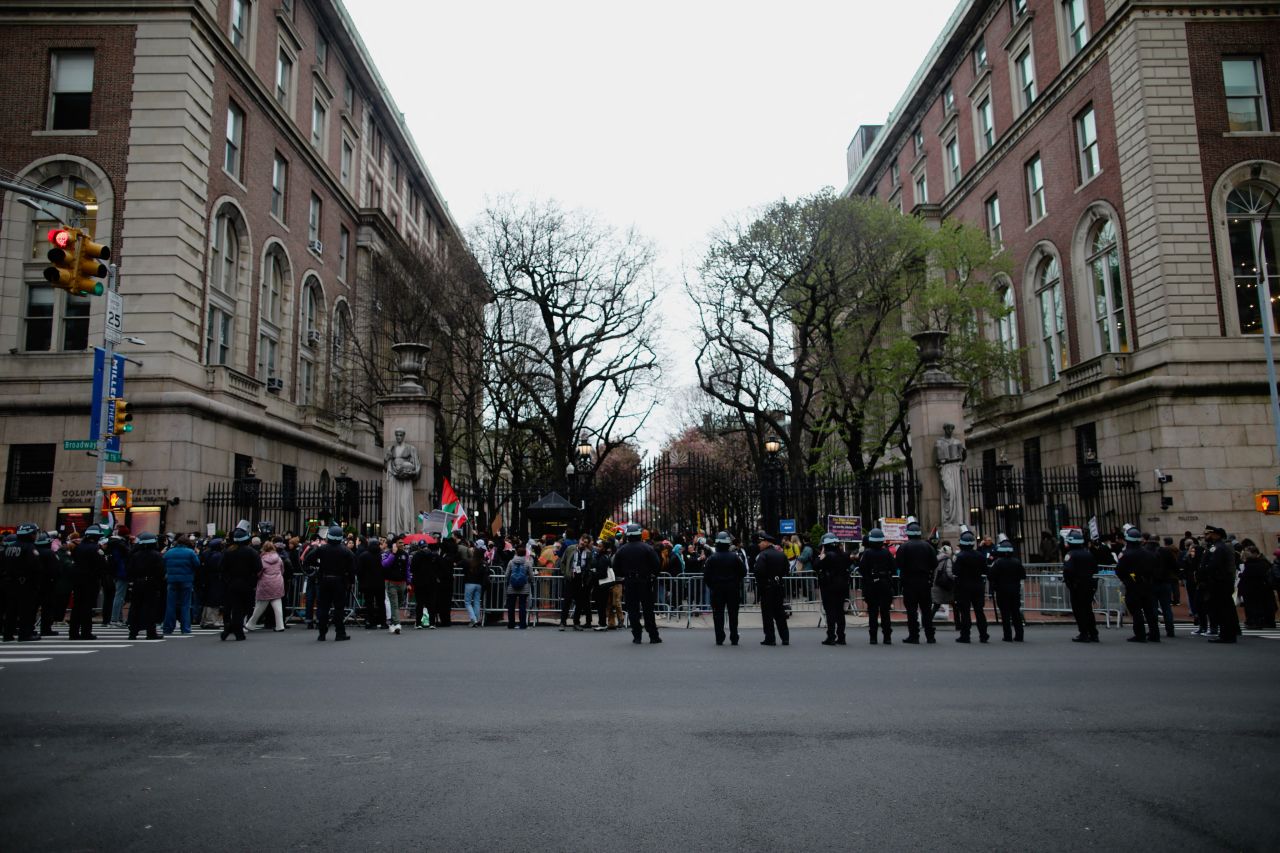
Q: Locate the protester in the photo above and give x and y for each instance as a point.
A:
(270, 588)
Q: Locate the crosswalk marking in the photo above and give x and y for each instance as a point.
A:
(25, 660)
(105, 639)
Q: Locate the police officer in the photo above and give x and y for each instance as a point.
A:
(833, 584)
(145, 571)
(968, 568)
(22, 567)
(877, 570)
(1079, 570)
(638, 566)
(89, 566)
(917, 561)
(1136, 569)
(770, 569)
(336, 569)
(723, 574)
(1220, 573)
(53, 600)
(1007, 574)
(241, 565)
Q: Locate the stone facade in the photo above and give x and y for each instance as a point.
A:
(1185, 389)
(244, 286)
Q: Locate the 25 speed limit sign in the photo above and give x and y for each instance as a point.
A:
(115, 318)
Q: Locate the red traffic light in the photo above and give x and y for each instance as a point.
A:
(60, 237)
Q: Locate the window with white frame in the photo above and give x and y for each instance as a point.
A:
(54, 320)
(225, 266)
(346, 162)
(1053, 317)
(319, 124)
(1246, 104)
(340, 357)
(986, 124)
(268, 357)
(1007, 332)
(312, 305)
(1247, 210)
(314, 212)
(322, 51)
(348, 94)
(344, 247)
(953, 162)
(284, 78)
(1019, 8)
(1108, 287)
(994, 232)
(70, 90)
(1075, 16)
(233, 154)
(279, 186)
(241, 11)
(917, 138)
(1087, 144)
(273, 284)
(895, 176)
(948, 99)
(1024, 79)
(1035, 190)
(980, 57)
(225, 257)
(217, 349)
(921, 189)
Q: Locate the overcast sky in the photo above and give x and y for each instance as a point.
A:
(670, 116)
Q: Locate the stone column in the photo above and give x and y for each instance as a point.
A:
(936, 399)
(410, 408)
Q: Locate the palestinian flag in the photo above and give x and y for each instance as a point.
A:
(449, 503)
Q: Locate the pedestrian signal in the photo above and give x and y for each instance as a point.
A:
(117, 499)
(1268, 502)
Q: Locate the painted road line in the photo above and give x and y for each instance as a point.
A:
(4, 653)
(25, 660)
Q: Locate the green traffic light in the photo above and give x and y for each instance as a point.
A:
(97, 288)
(128, 428)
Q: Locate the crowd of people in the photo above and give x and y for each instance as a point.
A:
(238, 584)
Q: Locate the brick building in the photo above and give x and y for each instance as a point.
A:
(243, 159)
(1120, 152)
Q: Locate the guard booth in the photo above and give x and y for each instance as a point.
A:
(552, 514)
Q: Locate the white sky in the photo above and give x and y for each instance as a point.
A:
(668, 116)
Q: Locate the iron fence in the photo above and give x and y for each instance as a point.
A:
(297, 507)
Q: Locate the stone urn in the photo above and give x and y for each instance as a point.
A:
(411, 361)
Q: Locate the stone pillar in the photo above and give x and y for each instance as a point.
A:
(936, 399)
(410, 408)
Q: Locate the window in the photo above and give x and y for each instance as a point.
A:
(284, 78)
(279, 186)
(948, 99)
(1035, 189)
(953, 162)
(30, 474)
(395, 174)
(240, 10)
(1108, 288)
(348, 94)
(313, 219)
(1087, 142)
(310, 312)
(993, 221)
(53, 320)
(1076, 17)
(71, 90)
(319, 124)
(922, 189)
(894, 179)
(217, 348)
(344, 246)
(979, 57)
(322, 51)
(38, 319)
(1007, 333)
(986, 125)
(235, 140)
(75, 322)
(339, 361)
(1019, 9)
(1086, 443)
(345, 163)
(1025, 76)
(1246, 107)
(918, 138)
(272, 290)
(267, 349)
(306, 380)
(1247, 206)
(225, 268)
(1053, 317)
(311, 308)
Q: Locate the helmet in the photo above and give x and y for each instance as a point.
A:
(27, 532)
(830, 539)
(633, 531)
(334, 534)
(42, 537)
(1075, 537)
(875, 536)
(93, 531)
(724, 538)
(372, 541)
(914, 531)
(967, 540)
(480, 543)
(1133, 534)
(1005, 547)
(147, 539)
(240, 535)
(215, 542)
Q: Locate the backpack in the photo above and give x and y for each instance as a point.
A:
(943, 580)
(519, 575)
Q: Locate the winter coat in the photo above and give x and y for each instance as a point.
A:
(270, 579)
(180, 565)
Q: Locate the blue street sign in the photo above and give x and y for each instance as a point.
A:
(787, 525)
(96, 427)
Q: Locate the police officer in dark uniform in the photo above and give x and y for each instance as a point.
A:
(770, 569)
(1220, 574)
(241, 565)
(53, 600)
(21, 565)
(145, 571)
(638, 566)
(833, 584)
(1079, 570)
(1136, 569)
(968, 567)
(917, 561)
(336, 569)
(877, 570)
(723, 574)
(424, 567)
(89, 566)
(1007, 574)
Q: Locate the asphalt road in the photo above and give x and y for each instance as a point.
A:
(538, 740)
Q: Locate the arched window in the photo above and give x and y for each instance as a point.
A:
(1007, 333)
(53, 319)
(340, 358)
(226, 268)
(1108, 288)
(1246, 230)
(309, 340)
(1053, 317)
(270, 299)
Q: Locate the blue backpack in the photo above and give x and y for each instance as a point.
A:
(519, 575)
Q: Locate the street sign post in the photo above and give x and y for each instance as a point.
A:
(73, 444)
(115, 318)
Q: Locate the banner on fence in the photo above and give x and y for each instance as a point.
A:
(847, 528)
(895, 529)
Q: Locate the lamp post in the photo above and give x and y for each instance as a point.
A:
(770, 485)
(1008, 499)
(1090, 482)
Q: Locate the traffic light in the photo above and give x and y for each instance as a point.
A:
(77, 261)
(1268, 502)
(117, 499)
(121, 417)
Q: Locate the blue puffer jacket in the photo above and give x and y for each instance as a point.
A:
(180, 565)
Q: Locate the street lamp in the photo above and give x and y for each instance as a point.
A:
(770, 485)
(772, 446)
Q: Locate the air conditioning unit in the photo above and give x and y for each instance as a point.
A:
(275, 385)
(316, 246)
(313, 337)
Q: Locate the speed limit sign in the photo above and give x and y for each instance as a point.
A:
(115, 318)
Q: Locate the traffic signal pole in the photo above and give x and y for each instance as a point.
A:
(104, 412)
